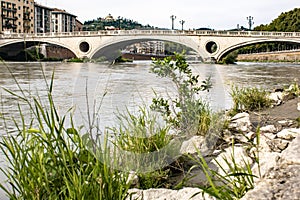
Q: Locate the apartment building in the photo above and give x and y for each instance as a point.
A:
(63, 21)
(149, 47)
(26, 16)
(42, 18)
(17, 16)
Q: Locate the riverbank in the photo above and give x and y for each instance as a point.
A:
(274, 156)
(283, 56)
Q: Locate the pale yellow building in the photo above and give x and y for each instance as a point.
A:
(17, 16)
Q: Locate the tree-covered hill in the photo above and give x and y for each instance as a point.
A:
(113, 23)
(286, 21)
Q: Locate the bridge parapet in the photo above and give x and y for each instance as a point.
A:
(153, 32)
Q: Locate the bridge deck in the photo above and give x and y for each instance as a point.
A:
(154, 32)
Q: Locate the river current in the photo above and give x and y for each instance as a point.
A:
(108, 89)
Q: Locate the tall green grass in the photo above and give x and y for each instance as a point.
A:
(141, 132)
(50, 159)
(249, 99)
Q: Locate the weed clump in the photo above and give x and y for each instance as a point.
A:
(249, 99)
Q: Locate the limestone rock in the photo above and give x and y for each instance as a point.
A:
(292, 154)
(267, 161)
(280, 184)
(238, 153)
(276, 98)
(268, 129)
(194, 144)
(263, 143)
(285, 122)
(289, 134)
(133, 179)
(277, 145)
(167, 194)
(240, 122)
(281, 181)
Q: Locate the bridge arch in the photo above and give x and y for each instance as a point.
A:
(111, 48)
(22, 44)
(234, 47)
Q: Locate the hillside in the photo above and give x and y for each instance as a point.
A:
(286, 21)
(109, 22)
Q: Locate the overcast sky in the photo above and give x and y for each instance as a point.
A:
(215, 14)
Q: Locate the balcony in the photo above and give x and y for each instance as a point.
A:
(9, 9)
(10, 26)
(9, 17)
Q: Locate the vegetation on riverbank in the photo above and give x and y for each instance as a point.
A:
(231, 58)
(50, 158)
(249, 99)
(76, 60)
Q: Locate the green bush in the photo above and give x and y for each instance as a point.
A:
(186, 113)
(231, 58)
(249, 99)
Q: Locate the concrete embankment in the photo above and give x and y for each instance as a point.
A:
(289, 56)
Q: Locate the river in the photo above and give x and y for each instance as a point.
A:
(108, 89)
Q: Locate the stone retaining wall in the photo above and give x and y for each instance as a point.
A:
(293, 56)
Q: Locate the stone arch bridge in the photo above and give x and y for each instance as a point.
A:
(209, 45)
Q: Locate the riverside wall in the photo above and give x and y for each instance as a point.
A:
(289, 56)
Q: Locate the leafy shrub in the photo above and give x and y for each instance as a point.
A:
(231, 58)
(249, 99)
(186, 113)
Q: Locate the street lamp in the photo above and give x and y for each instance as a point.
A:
(181, 22)
(119, 19)
(250, 21)
(173, 17)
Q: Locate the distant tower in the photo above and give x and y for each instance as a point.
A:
(250, 22)
(173, 17)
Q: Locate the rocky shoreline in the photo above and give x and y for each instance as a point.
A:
(277, 147)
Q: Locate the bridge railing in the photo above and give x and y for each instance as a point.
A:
(154, 32)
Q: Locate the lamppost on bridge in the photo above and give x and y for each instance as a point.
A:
(181, 22)
(173, 17)
(250, 22)
(119, 21)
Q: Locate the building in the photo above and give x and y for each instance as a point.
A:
(26, 16)
(42, 19)
(63, 21)
(149, 47)
(17, 16)
(79, 25)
